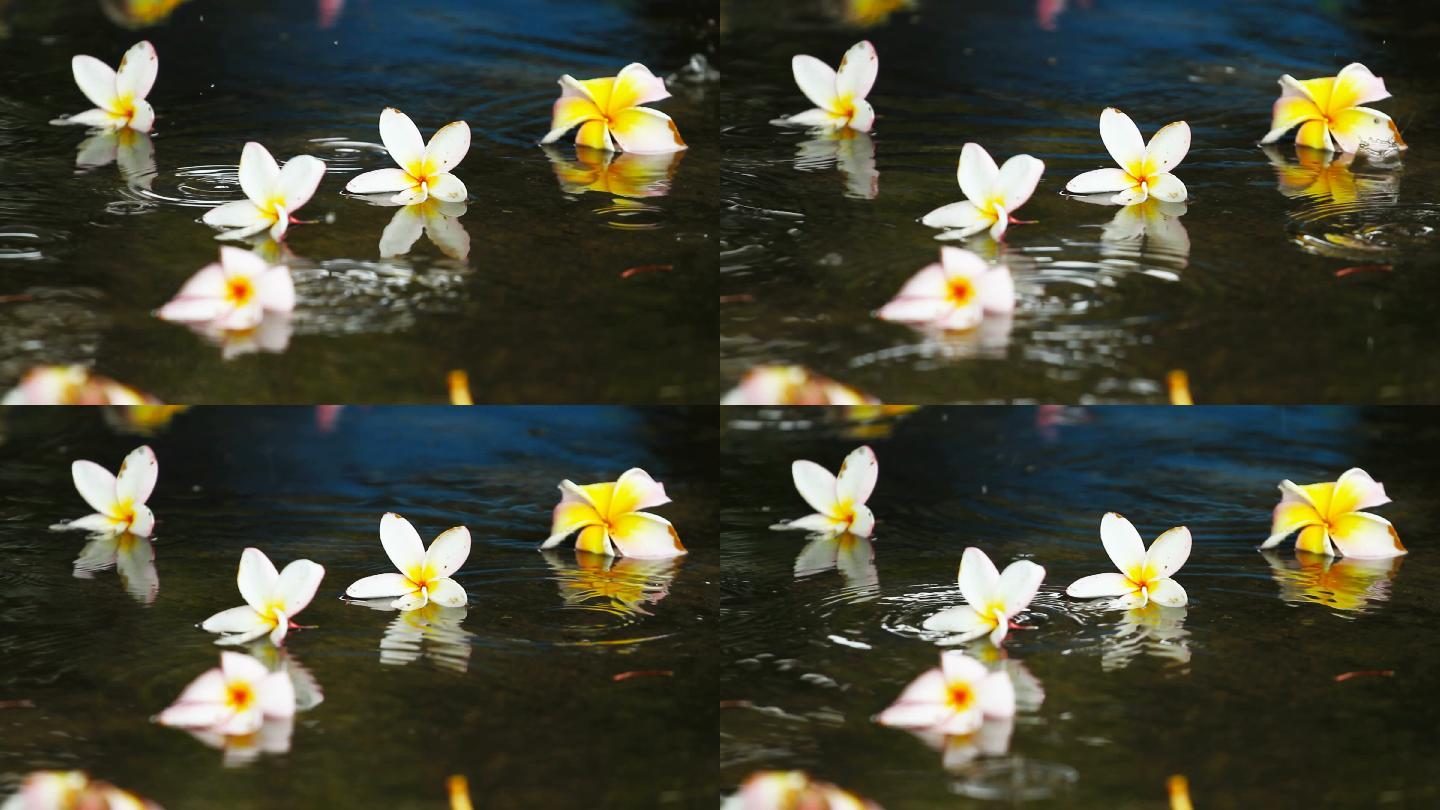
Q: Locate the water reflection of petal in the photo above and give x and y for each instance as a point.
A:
(432, 632)
(437, 219)
(615, 584)
(133, 559)
(988, 341)
(991, 740)
(141, 420)
(308, 693)
(1153, 630)
(852, 556)
(1327, 177)
(133, 151)
(139, 13)
(1344, 583)
(243, 749)
(626, 174)
(853, 153)
(272, 335)
(1148, 229)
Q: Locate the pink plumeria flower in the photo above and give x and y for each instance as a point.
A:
(72, 790)
(272, 599)
(994, 598)
(955, 698)
(1144, 168)
(1329, 114)
(234, 699)
(118, 95)
(1144, 575)
(233, 293)
(1328, 517)
(792, 790)
(955, 293)
(838, 500)
(838, 95)
(424, 168)
(118, 500)
(424, 573)
(609, 114)
(274, 194)
(992, 193)
(609, 521)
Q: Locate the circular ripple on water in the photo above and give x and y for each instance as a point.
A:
(905, 614)
(27, 244)
(191, 186)
(1362, 230)
(344, 155)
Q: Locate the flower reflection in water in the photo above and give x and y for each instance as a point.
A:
(993, 738)
(1343, 583)
(132, 557)
(271, 335)
(133, 151)
(852, 152)
(852, 556)
(623, 585)
(433, 632)
(1154, 630)
(437, 219)
(139, 13)
(1327, 177)
(626, 174)
(1151, 228)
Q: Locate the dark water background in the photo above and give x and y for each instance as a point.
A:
(517, 692)
(1236, 691)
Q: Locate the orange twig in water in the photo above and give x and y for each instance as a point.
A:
(643, 673)
(1179, 788)
(1360, 268)
(1179, 384)
(459, 793)
(1382, 673)
(16, 704)
(647, 268)
(459, 383)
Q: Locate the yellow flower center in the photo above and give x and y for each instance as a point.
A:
(845, 512)
(962, 292)
(124, 512)
(961, 696)
(239, 291)
(239, 696)
(124, 106)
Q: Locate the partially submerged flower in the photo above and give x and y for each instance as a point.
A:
(792, 385)
(1328, 518)
(1329, 112)
(234, 699)
(233, 293)
(1144, 168)
(118, 95)
(792, 790)
(424, 168)
(1144, 575)
(609, 521)
(424, 573)
(272, 598)
(72, 385)
(955, 293)
(72, 790)
(993, 598)
(118, 500)
(838, 500)
(955, 698)
(991, 193)
(609, 114)
(838, 95)
(274, 194)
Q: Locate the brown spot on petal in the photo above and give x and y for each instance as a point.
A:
(1396, 538)
(675, 537)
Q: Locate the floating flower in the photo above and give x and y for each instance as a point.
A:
(1328, 517)
(234, 293)
(792, 385)
(271, 599)
(955, 293)
(118, 501)
(629, 174)
(792, 790)
(132, 557)
(1144, 168)
(274, 194)
(994, 598)
(234, 699)
(838, 95)
(72, 385)
(956, 697)
(424, 168)
(118, 95)
(609, 521)
(1329, 114)
(72, 790)
(436, 218)
(838, 501)
(609, 114)
(424, 574)
(1144, 575)
(992, 194)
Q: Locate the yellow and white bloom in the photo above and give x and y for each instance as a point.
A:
(118, 500)
(274, 194)
(72, 790)
(609, 114)
(792, 790)
(72, 385)
(272, 598)
(955, 293)
(1144, 168)
(1328, 517)
(838, 500)
(955, 698)
(792, 385)
(118, 95)
(234, 699)
(424, 573)
(1144, 575)
(991, 193)
(424, 168)
(1329, 112)
(609, 519)
(838, 95)
(994, 598)
(234, 293)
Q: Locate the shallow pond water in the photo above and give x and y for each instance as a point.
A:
(555, 250)
(1241, 691)
(553, 688)
(1288, 278)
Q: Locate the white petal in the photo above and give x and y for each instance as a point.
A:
(1167, 148)
(238, 214)
(275, 695)
(380, 181)
(978, 577)
(242, 668)
(1167, 592)
(815, 78)
(402, 543)
(402, 140)
(96, 81)
(857, 477)
(447, 188)
(857, 72)
(297, 585)
(996, 290)
(810, 118)
(143, 524)
(143, 117)
(809, 523)
(995, 695)
(962, 215)
(138, 69)
(1017, 180)
(448, 593)
(1100, 180)
(863, 118)
(257, 578)
(258, 173)
(282, 626)
(963, 619)
(1122, 139)
(1169, 551)
(1018, 584)
(138, 473)
(977, 173)
(1097, 585)
(402, 231)
(95, 484)
(414, 600)
(815, 484)
(863, 524)
(241, 619)
(1167, 188)
(379, 586)
(448, 552)
(275, 290)
(298, 180)
(1122, 542)
(447, 147)
(1134, 195)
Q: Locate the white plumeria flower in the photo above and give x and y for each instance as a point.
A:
(234, 293)
(272, 598)
(955, 698)
(424, 574)
(233, 699)
(1144, 575)
(118, 501)
(274, 194)
(118, 95)
(1144, 168)
(838, 95)
(424, 168)
(994, 598)
(838, 501)
(992, 193)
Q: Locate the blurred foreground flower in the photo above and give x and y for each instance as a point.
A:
(234, 293)
(609, 114)
(239, 699)
(1144, 575)
(792, 385)
(274, 194)
(993, 598)
(1144, 168)
(838, 500)
(424, 168)
(957, 697)
(1328, 518)
(1329, 114)
(139, 13)
(272, 598)
(955, 293)
(838, 95)
(118, 95)
(72, 790)
(992, 194)
(609, 521)
(424, 574)
(118, 500)
(792, 790)
(72, 385)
